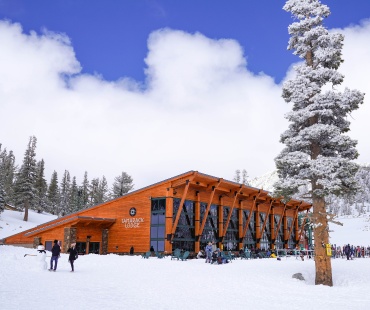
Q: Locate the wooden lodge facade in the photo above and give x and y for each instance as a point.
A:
(185, 211)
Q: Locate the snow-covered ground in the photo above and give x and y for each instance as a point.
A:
(131, 282)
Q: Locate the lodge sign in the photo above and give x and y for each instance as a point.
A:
(132, 222)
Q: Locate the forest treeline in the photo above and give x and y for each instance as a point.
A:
(26, 187)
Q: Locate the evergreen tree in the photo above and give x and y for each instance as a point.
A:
(317, 154)
(245, 177)
(84, 193)
(94, 192)
(8, 169)
(73, 206)
(41, 188)
(53, 194)
(65, 194)
(2, 198)
(122, 185)
(24, 187)
(2, 192)
(237, 176)
(103, 191)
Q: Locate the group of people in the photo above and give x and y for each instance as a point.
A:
(55, 255)
(212, 254)
(350, 251)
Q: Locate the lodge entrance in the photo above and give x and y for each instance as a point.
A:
(94, 247)
(81, 248)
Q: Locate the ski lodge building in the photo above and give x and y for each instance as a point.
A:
(186, 212)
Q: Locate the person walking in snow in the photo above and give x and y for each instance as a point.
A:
(209, 252)
(347, 251)
(73, 255)
(55, 253)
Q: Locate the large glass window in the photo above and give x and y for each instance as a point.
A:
(266, 235)
(250, 237)
(291, 238)
(157, 224)
(279, 235)
(184, 237)
(231, 239)
(210, 231)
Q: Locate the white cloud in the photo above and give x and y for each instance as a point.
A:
(200, 109)
(356, 68)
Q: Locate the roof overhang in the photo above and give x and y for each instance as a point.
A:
(74, 222)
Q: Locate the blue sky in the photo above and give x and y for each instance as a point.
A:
(110, 37)
(158, 88)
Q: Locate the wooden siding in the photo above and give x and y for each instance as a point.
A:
(123, 234)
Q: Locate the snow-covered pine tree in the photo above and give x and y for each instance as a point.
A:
(94, 192)
(41, 188)
(24, 187)
(53, 194)
(237, 176)
(84, 193)
(122, 185)
(2, 173)
(103, 191)
(73, 206)
(317, 153)
(8, 168)
(65, 194)
(245, 177)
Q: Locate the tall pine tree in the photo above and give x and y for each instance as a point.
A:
(41, 187)
(122, 185)
(25, 190)
(54, 194)
(65, 194)
(317, 152)
(8, 170)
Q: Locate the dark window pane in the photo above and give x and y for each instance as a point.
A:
(161, 219)
(162, 204)
(154, 219)
(153, 232)
(161, 231)
(160, 246)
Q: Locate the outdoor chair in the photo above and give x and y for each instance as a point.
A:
(184, 256)
(176, 254)
(146, 255)
(159, 255)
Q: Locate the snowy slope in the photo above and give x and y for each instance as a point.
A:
(11, 222)
(265, 181)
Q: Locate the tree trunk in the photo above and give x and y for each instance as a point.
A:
(321, 234)
(25, 218)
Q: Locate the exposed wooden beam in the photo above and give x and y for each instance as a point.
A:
(174, 226)
(231, 211)
(267, 216)
(250, 215)
(280, 221)
(208, 208)
(302, 226)
(295, 218)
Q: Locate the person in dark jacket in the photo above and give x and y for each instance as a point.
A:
(72, 255)
(55, 253)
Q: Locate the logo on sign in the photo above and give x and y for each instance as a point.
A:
(132, 211)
